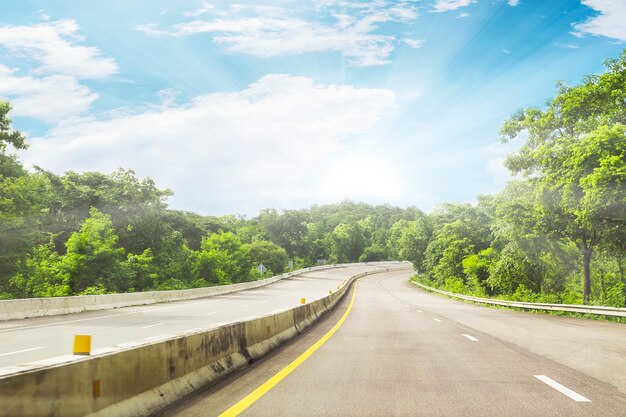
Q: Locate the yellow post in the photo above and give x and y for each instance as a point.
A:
(330, 292)
(303, 301)
(82, 344)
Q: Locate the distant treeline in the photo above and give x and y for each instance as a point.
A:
(555, 233)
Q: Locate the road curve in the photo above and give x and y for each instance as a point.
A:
(25, 341)
(404, 352)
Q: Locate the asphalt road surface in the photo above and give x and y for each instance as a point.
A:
(402, 351)
(25, 341)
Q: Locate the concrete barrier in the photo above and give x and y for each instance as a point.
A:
(52, 306)
(144, 377)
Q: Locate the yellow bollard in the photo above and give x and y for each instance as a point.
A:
(330, 292)
(303, 301)
(82, 344)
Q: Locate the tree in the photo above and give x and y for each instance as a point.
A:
(93, 256)
(7, 135)
(572, 155)
(409, 240)
(42, 274)
(269, 254)
(287, 230)
(234, 256)
(347, 242)
(373, 253)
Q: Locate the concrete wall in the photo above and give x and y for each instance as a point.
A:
(141, 380)
(52, 306)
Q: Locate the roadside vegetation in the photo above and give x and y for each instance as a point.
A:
(556, 233)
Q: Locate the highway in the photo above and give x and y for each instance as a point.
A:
(29, 340)
(402, 351)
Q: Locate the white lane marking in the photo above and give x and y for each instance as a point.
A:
(212, 312)
(408, 305)
(68, 321)
(22, 351)
(437, 320)
(152, 325)
(472, 338)
(562, 389)
(419, 311)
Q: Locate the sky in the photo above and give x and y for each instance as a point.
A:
(237, 107)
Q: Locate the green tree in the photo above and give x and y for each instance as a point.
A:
(234, 255)
(269, 254)
(42, 274)
(577, 135)
(409, 239)
(93, 256)
(348, 242)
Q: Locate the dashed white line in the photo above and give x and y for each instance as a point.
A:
(153, 325)
(22, 351)
(437, 320)
(419, 311)
(68, 321)
(562, 389)
(212, 312)
(472, 338)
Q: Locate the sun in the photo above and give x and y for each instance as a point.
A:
(369, 178)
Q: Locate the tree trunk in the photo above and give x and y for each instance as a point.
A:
(587, 271)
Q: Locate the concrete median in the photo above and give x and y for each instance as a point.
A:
(142, 379)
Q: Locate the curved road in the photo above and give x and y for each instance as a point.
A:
(36, 339)
(404, 352)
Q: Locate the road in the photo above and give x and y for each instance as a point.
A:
(402, 351)
(36, 339)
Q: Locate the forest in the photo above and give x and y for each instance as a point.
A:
(555, 233)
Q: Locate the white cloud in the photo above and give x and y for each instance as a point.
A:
(259, 147)
(447, 5)
(151, 29)
(51, 90)
(273, 31)
(205, 8)
(611, 22)
(414, 43)
(53, 46)
(43, 15)
(50, 98)
(462, 15)
(513, 3)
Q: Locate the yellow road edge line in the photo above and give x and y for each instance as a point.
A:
(255, 395)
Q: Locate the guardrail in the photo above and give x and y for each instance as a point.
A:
(571, 308)
(52, 306)
(142, 377)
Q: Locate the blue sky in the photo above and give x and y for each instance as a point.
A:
(239, 107)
